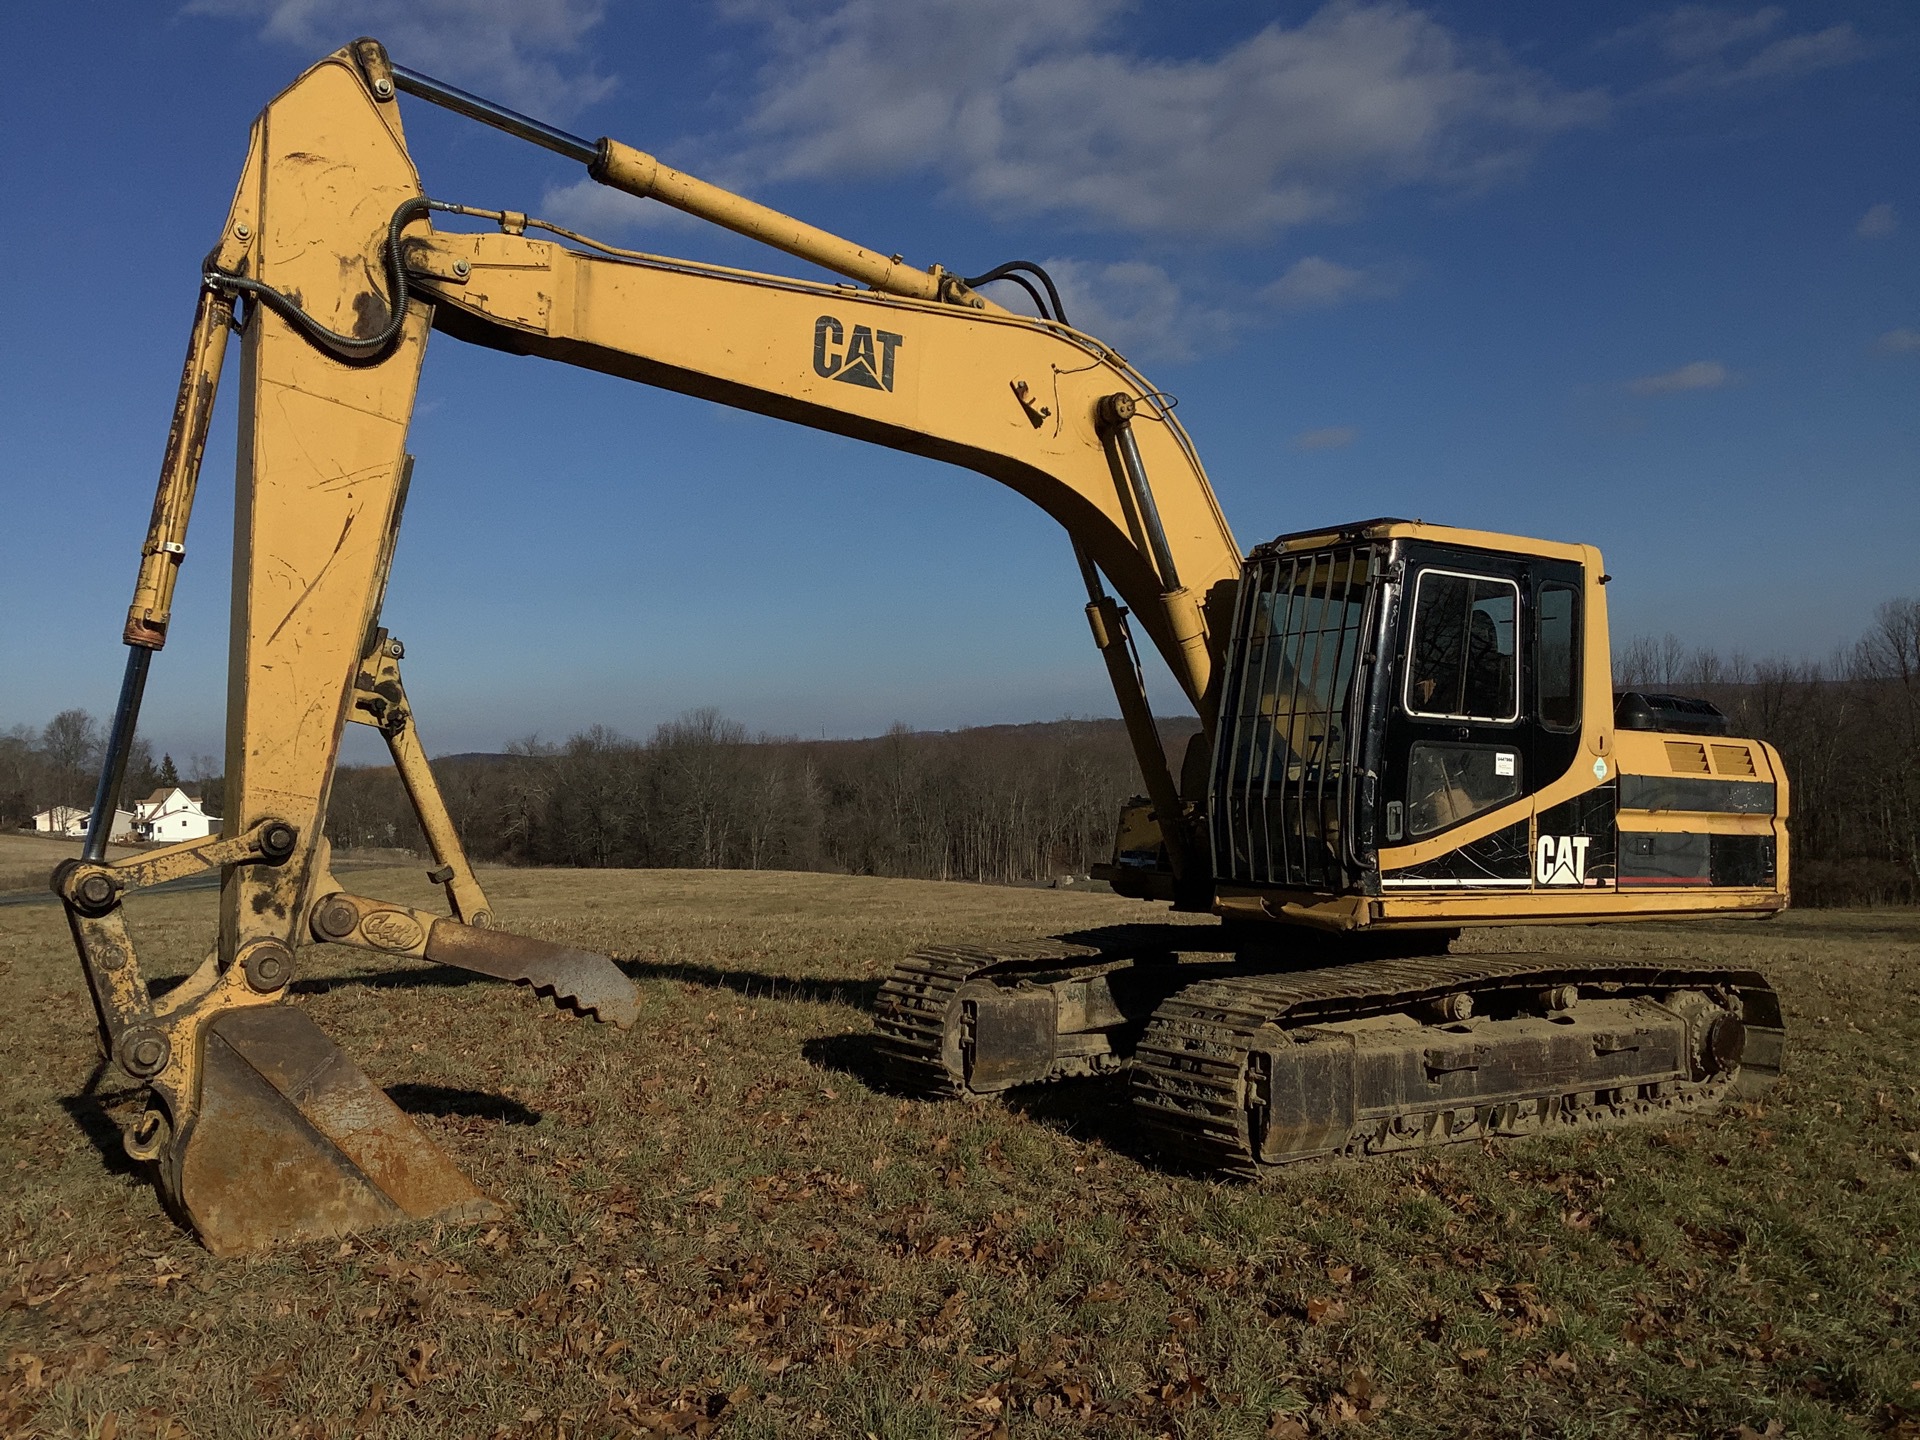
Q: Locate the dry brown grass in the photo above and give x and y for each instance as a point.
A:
(27, 860)
(717, 1220)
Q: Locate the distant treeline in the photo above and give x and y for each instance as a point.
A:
(1028, 802)
(1000, 803)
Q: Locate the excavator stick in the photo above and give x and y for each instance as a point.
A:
(259, 1130)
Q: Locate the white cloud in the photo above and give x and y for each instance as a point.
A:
(528, 54)
(1030, 110)
(1135, 307)
(1314, 283)
(600, 211)
(1898, 342)
(1700, 375)
(1693, 33)
(1712, 47)
(1879, 222)
(1333, 437)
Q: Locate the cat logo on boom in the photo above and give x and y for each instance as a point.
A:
(867, 359)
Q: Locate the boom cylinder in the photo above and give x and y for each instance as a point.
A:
(638, 173)
(166, 545)
(622, 167)
(1185, 624)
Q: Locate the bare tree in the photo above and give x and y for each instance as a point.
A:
(71, 744)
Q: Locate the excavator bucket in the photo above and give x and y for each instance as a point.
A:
(291, 1141)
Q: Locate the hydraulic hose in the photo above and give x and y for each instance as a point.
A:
(355, 349)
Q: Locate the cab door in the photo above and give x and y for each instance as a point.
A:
(1485, 709)
(1457, 733)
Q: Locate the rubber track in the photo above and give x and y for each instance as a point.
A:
(1188, 1072)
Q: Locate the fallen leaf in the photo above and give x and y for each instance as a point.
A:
(1322, 1311)
(375, 1403)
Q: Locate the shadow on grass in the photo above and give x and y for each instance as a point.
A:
(447, 1101)
(855, 1055)
(752, 983)
(424, 977)
(1091, 1110)
(757, 985)
(1095, 1110)
(92, 1113)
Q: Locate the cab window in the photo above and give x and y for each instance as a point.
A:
(1460, 663)
(1557, 675)
(1450, 783)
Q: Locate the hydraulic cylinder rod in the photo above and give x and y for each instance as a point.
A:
(160, 557)
(622, 167)
(1109, 623)
(1114, 417)
(461, 102)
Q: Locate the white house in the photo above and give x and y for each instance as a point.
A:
(72, 820)
(170, 814)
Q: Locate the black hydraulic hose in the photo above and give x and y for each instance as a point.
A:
(1027, 285)
(1008, 272)
(351, 348)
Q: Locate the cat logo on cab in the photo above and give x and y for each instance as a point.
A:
(1561, 860)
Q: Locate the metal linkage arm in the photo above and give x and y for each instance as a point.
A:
(380, 700)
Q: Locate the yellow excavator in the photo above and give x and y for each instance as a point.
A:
(1405, 728)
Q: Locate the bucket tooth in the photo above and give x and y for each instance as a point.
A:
(291, 1141)
(578, 979)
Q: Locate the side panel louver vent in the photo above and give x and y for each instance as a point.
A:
(1733, 760)
(1687, 757)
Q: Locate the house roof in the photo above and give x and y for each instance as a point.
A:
(165, 792)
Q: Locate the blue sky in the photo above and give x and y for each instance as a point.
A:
(1642, 276)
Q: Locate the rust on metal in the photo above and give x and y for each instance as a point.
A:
(579, 979)
(291, 1141)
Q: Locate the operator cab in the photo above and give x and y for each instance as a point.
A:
(1421, 713)
(1386, 688)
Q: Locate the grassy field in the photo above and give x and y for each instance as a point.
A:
(718, 1223)
(27, 860)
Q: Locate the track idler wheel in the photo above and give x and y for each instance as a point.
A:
(291, 1141)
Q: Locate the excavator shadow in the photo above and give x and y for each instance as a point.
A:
(99, 1114)
(754, 984)
(92, 1112)
(855, 1054)
(451, 1102)
(1091, 1111)
(758, 985)
(421, 977)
